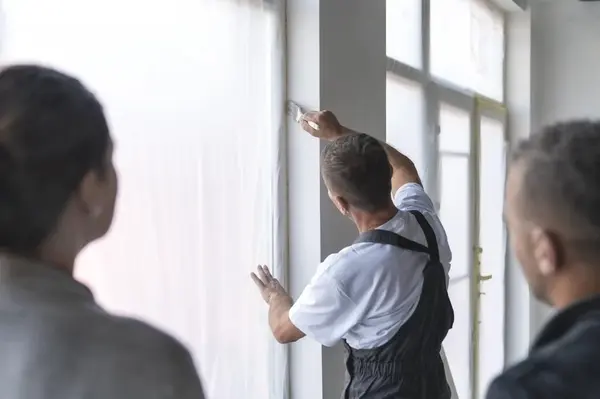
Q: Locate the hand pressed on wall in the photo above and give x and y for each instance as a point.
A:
(268, 285)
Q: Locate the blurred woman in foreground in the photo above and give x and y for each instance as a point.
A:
(57, 194)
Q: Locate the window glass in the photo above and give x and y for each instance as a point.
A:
(405, 108)
(455, 129)
(188, 91)
(455, 215)
(467, 45)
(457, 344)
(492, 164)
(403, 31)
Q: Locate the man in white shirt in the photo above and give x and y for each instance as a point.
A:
(385, 296)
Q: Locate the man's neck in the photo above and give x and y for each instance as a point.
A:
(369, 221)
(579, 286)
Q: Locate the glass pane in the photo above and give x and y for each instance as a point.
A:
(455, 129)
(467, 45)
(488, 50)
(455, 211)
(492, 238)
(403, 31)
(405, 107)
(457, 344)
(168, 257)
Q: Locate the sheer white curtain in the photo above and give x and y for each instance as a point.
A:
(192, 89)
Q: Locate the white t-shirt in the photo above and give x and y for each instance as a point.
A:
(366, 292)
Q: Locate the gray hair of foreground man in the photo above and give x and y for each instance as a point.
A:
(356, 168)
(553, 206)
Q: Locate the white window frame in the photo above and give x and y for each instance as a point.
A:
(438, 91)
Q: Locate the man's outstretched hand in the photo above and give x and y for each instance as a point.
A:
(268, 285)
(329, 126)
(279, 303)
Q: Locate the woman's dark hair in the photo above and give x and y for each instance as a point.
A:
(357, 168)
(52, 132)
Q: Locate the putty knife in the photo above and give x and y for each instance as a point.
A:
(296, 112)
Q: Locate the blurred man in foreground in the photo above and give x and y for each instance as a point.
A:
(553, 217)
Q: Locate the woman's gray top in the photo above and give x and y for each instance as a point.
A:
(57, 343)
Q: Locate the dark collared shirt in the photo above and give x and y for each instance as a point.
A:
(57, 343)
(564, 361)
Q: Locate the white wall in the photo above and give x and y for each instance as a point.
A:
(565, 82)
(565, 72)
(553, 59)
(336, 61)
(518, 98)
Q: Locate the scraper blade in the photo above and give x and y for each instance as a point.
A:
(296, 112)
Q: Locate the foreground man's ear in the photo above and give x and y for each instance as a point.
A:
(545, 251)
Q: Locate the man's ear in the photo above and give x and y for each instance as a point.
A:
(546, 251)
(342, 205)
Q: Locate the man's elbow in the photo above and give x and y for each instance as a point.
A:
(285, 338)
(286, 332)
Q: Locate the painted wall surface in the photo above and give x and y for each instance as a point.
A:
(518, 98)
(565, 72)
(336, 61)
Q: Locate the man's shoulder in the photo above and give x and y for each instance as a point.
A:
(350, 263)
(412, 196)
(358, 253)
(366, 264)
(536, 379)
(341, 263)
(508, 386)
(518, 382)
(565, 368)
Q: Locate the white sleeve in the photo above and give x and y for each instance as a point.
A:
(412, 196)
(323, 311)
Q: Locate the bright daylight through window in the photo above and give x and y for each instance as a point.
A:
(467, 45)
(445, 110)
(192, 95)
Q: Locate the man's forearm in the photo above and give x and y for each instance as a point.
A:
(279, 319)
(279, 307)
(402, 165)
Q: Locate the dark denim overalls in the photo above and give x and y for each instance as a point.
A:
(409, 366)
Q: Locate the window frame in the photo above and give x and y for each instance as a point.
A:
(424, 76)
(439, 91)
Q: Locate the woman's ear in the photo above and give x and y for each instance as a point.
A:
(88, 194)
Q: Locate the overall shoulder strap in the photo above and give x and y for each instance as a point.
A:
(432, 244)
(391, 238)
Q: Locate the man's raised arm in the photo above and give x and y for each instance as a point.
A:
(330, 129)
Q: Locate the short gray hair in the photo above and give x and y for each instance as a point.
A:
(562, 176)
